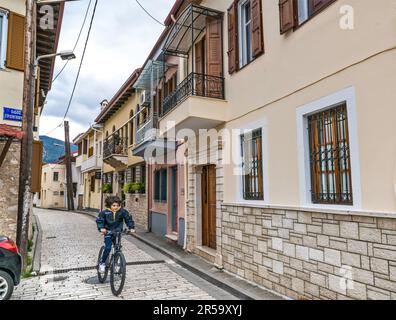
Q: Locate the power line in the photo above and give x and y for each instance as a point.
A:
(78, 39)
(79, 68)
(149, 14)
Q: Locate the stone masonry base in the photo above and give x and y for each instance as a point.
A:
(308, 255)
(9, 182)
(137, 205)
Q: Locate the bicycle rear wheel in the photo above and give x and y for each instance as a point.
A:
(101, 276)
(117, 273)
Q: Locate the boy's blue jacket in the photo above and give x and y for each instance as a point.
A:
(114, 221)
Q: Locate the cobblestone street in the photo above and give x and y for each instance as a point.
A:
(71, 241)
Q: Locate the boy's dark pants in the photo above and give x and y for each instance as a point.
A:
(108, 243)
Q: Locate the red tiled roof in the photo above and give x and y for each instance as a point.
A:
(8, 131)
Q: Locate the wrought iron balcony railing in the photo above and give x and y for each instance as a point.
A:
(115, 146)
(196, 84)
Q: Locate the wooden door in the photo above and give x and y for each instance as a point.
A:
(209, 206)
(199, 68)
(80, 202)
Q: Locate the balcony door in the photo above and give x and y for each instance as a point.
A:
(200, 63)
(208, 184)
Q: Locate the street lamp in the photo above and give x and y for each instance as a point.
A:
(65, 55)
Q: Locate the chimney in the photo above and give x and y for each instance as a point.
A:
(104, 104)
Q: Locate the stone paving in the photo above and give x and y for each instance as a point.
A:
(70, 240)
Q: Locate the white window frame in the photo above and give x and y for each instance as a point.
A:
(238, 148)
(348, 96)
(243, 60)
(3, 38)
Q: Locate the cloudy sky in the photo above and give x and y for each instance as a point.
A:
(122, 36)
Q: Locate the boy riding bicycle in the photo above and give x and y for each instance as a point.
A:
(110, 221)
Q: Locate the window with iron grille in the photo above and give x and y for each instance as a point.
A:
(252, 165)
(160, 185)
(331, 181)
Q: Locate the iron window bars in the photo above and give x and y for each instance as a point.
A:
(252, 165)
(331, 181)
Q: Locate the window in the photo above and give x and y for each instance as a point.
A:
(62, 193)
(331, 181)
(160, 185)
(45, 177)
(131, 128)
(3, 37)
(56, 176)
(56, 193)
(252, 165)
(245, 32)
(294, 13)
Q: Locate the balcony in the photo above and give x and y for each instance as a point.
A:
(80, 159)
(91, 164)
(196, 84)
(145, 132)
(115, 152)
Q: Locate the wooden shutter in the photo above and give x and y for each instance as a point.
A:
(199, 67)
(37, 162)
(286, 12)
(318, 5)
(213, 47)
(233, 38)
(257, 28)
(16, 42)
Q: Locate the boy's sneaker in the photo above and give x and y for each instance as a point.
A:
(102, 267)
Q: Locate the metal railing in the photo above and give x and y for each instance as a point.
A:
(142, 130)
(196, 84)
(115, 146)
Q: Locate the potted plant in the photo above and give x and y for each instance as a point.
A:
(107, 188)
(127, 188)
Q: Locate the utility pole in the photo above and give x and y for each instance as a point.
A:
(69, 179)
(25, 173)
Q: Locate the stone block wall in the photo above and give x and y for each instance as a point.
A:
(9, 183)
(137, 205)
(311, 255)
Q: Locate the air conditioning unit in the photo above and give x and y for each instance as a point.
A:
(145, 98)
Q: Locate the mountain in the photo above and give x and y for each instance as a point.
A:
(53, 149)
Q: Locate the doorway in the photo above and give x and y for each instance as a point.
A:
(174, 200)
(208, 185)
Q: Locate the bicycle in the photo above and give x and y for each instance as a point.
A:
(116, 263)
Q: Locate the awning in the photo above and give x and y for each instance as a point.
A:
(151, 74)
(188, 28)
(10, 132)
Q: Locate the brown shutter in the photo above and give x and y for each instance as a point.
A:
(286, 12)
(213, 47)
(318, 5)
(199, 67)
(16, 42)
(257, 28)
(233, 38)
(37, 162)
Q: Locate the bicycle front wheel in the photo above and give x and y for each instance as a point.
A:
(102, 276)
(117, 273)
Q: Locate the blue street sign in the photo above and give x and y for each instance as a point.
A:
(12, 114)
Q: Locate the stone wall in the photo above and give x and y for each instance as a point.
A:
(311, 255)
(137, 205)
(9, 182)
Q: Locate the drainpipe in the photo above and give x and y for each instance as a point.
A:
(186, 195)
